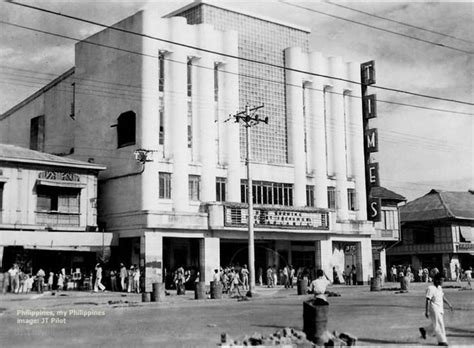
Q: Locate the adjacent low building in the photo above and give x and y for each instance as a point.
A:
(48, 214)
(437, 231)
(387, 230)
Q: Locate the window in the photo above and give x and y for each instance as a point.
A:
(331, 197)
(423, 235)
(161, 78)
(351, 199)
(37, 133)
(126, 129)
(1, 199)
(58, 199)
(264, 192)
(220, 189)
(164, 185)
(216, 81)
(309, 195)
(162, 121)
(190, 77)
(190, 124)
(388, 217)
(194, 186)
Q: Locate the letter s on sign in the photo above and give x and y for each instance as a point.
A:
(373, 206)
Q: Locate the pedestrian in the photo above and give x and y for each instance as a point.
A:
(318, 287)
(130, 279)
(113, 280)
(234, 283)
(98, 279)
(434, 310)
(275, 275)
(136, 279)
(468, 274)
(457, 273)
(291, 275)
(216, 277)
(14, 275)
(61, 281)
(348, 275)
(335, 278)
(179, 281)
(394, 273)
(354, 275)
(269, 277)
(50, 281)
(245, 277)
(40, 280)
(123, 277)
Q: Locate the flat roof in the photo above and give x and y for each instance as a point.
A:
(227, 7)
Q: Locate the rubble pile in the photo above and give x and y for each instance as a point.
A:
(288, 337)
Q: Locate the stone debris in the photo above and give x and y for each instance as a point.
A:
(288, 337)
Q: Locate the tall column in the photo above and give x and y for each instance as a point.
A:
(205, 114)
(177, 109)
(148, 123)
(357, 140)
(209, 257)
(295, 121)
(383, 263)
(323, 251)
(316, 114)
(364, 261)
(152, 252)
(339, 140)
(231, 105)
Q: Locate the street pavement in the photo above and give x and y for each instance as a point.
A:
(79, 319)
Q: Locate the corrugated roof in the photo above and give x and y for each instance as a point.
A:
(438, 205)
(383, 193)
(19, 154)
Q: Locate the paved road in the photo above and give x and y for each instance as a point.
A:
(87, 319)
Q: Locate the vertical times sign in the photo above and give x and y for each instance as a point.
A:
(369, 111)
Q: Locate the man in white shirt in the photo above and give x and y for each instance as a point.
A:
(434, 310)
(319, 285)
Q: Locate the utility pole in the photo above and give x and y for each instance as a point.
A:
(249, 118)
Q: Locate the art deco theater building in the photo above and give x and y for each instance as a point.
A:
(181, 198)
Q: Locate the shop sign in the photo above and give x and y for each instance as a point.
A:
(59, 176)
(373, 175)
(466, 247)
(372, 140)
(374, 208)
(235, 216)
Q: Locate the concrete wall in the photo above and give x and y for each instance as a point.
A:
(55, 105)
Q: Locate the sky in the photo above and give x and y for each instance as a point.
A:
(419, 149)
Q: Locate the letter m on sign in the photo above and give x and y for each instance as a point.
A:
(372, 140)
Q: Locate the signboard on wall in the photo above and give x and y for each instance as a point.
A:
(369, 111)
(374, 207)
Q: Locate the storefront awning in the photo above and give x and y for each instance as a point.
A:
(467, 233)
(60, 183)
(64, 248)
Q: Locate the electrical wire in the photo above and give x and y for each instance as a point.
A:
(397, 22)
(227, 72)
(232, 56)
(376, 28)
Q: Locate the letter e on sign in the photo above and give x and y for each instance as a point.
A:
(373, 174)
